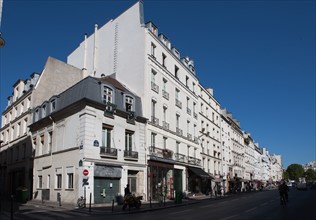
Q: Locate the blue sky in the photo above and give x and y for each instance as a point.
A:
(258, 56)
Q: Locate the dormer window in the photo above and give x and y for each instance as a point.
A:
(43, 111)
(107, 95)
(129, 101)
(36, 115)
(53, 105)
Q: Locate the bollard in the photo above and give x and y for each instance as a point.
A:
(150, 201)
(11, 207)
(113, 205)
(90, 204)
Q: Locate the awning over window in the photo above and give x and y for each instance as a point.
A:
(199, 172)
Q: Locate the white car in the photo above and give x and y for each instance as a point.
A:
(301, 186)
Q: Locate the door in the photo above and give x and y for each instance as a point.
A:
(105, 190)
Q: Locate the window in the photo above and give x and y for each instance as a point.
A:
(153, 108)
(129, 140)
(193, 87)
(187, 81)
(70, 177)
(40, 181)
(153, 49)
(18, 128)
(106, 135)
(176, 72)
(58, 181)
(165, 142)
(153, 139)
(177, 120)
(42, 144)
(164, 57)
(153, 76)
(107, 95)
(50, 141)
(36, 115)
(48, 182)
(17, 149)
(129, 103)
(53, 105)
(165, 113)
(44, 111)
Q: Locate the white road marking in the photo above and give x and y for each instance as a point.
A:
(249, 210)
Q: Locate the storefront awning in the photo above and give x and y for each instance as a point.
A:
(199, 172)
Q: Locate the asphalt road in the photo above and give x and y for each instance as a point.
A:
(258, 206)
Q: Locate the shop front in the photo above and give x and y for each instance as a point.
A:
(199, 181)
(106, 183)
(162, 180)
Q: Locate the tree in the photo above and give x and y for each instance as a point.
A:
(310, 174)
(295, 171)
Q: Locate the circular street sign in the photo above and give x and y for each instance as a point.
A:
(86, 172)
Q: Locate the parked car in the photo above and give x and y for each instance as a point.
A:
(289, 184)
(313, 186)
(301, 186)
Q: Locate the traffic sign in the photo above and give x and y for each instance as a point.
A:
(86, 172)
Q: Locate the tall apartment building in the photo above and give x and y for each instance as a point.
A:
(17, 151)
(146, 61)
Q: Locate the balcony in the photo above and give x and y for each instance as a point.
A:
(161, 153)
(188, 111)
(154, 87)
(178, 103)
(154, 120)
(165, 125)
(189, 136)
(130, 155)
(196, 140)
(108, 152)
(194, 161)
(165, 94)
(195, 115)
(179, 157)
(179, 131)
(109, 109)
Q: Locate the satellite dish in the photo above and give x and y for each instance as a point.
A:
(2, 42)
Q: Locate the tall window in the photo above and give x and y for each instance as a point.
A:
(177, 94)
(164, 84)
(70, 177)
(153, 49)
(58, 181)
(36, 115)
(165, 142)
(129, 103)
(107, 94)
(153, 139)
(153, 108)
(176, 72)
(40, 181)
(106, 135)
(165, 113)
(187, 81)
(129, 140)
(177, 120)
(164, 57)
(50, 141)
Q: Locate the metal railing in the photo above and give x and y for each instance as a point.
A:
(107, 151)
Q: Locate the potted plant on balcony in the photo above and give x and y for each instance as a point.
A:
(167, 153)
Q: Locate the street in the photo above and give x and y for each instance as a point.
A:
(258, 205)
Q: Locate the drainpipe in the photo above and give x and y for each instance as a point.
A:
(95, 49)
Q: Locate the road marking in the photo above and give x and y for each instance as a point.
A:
(229, 217)
(249, 210)
(187, 210)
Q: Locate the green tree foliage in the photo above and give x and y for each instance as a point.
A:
(295, 171)
(285, 175)
(310, 174)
